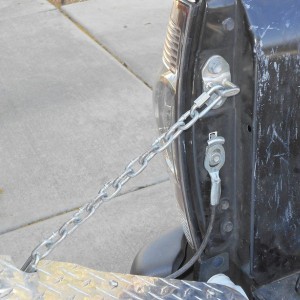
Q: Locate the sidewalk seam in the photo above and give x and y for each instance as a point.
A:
(29, 14)
(91, 36)
(76, 208)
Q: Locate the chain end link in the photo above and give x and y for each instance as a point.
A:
(31, 263)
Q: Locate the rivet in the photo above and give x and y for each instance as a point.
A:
(113, 283)
(227, 226)
(224, 204)
(228, 24)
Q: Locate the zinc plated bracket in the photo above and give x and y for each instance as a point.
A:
(214, 161)
(216, 71)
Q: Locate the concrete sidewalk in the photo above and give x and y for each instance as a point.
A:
(71, 117)
(132, 30)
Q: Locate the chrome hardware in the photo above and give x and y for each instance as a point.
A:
(214, 161)
(216, 71)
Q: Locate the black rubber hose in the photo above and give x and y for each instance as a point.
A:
(199, 252)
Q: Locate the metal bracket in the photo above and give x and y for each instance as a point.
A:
(216, 71)
(214, 161)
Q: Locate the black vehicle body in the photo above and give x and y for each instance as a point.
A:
(256, 236)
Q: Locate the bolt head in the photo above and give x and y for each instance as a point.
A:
(113, 283)
(215, 66)
(227, 226)
(214, 159)
(228, 24)
(224, 204)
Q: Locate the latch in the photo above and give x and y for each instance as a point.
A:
(216, 71)
(214, 161)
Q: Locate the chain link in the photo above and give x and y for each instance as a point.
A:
(112, 188)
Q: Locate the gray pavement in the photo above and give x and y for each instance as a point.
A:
(109, 240)
(133, 30)
(15, 8)
(71, 116)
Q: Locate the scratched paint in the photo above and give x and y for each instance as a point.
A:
(276, 174)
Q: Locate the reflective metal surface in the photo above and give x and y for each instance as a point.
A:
(217, 71)
(57, 280)
(214, 161)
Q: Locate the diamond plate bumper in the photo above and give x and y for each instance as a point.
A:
(57, 280)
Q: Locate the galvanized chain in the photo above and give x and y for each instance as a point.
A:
(112, 188)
